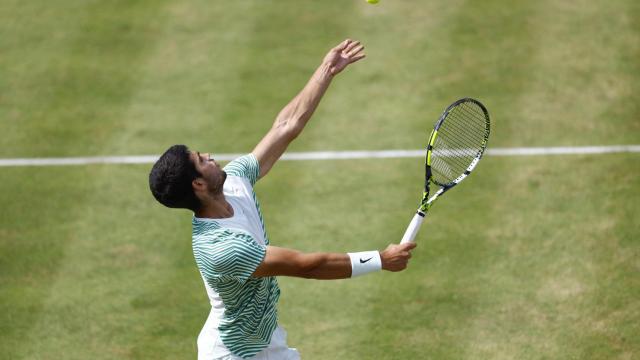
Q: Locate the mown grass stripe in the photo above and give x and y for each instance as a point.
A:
(88, 69)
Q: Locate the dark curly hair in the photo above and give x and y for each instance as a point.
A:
(170, 179)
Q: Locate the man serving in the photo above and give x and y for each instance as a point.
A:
(230, 243)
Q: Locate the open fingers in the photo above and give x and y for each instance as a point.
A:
(353, 45)
(343, 45)
(356, 58)
(354, 51)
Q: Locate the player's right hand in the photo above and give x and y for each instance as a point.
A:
(396, 256)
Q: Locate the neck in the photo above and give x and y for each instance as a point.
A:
(215, 208)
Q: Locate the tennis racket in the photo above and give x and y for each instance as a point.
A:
(456, 145)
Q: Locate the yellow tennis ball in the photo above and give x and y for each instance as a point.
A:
(373, 1)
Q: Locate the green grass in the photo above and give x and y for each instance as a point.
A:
(533, 258)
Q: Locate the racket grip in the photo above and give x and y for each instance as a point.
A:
(413, 228)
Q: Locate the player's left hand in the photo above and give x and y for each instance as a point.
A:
(347, 52)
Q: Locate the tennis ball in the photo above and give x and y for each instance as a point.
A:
(373, 1)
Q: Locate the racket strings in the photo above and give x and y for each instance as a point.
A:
(462, 141)
(461, 138)
(471, 127)
(467, 130)
(449, 163)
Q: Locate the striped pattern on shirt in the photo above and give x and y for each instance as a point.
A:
(226, 259)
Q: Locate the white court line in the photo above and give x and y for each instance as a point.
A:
(329, 155)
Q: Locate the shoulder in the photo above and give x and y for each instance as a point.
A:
(246, 166)
(208, 232)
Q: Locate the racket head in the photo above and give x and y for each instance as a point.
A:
(457, 142)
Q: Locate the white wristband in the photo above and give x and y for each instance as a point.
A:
(365, 262)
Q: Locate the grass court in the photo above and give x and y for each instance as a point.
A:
(532, 258)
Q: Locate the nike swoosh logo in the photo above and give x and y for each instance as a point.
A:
(364, 261)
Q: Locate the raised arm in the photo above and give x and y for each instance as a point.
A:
(293, 117)
(326, 266)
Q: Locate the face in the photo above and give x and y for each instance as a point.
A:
(212, 176)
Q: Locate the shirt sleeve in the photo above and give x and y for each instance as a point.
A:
(246, 166)
(236, 257)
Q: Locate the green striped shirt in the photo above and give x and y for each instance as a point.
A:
(227, 251)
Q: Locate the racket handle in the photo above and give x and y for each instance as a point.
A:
(413, 228)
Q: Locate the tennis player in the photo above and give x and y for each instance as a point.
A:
(230, 243)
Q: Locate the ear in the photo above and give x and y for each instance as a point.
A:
(198, 184)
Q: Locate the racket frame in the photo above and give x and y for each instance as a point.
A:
(427, 202)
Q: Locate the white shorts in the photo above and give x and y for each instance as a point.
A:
(276, 350)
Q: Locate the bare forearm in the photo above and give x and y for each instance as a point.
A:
(293, 117)
(297, 113)
(288, 262)
(325, 266)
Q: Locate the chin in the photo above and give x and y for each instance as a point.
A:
(220, 186)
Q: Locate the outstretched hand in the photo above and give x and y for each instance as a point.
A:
(348, 52)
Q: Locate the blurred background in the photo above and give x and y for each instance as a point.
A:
(535, 257)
